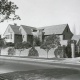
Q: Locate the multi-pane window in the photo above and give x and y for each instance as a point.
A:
(9, 36)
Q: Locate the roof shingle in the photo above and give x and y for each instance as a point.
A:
(55, 29)
(28, 29)
(15, 28)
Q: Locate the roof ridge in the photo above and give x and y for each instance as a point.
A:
(53, 25)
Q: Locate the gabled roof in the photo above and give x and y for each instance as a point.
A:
(76, 37)
(28, 29)
(15, 29)
(55, 29)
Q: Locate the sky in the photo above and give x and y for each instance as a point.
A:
(40, 13)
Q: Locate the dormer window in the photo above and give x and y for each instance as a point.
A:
(34, 30)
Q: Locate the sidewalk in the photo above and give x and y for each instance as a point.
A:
(75, 61)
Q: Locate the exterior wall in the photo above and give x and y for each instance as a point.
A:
(9, 35)
(30, 38)
(40, 35)
(17, 38)
(24, 34)
(61, 37)
(67, 34)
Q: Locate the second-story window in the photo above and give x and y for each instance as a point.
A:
(34, 30)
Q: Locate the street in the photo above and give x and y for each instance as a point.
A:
(17, 65)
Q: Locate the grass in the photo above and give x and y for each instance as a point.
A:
(56, 73)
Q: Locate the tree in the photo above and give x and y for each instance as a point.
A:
(7, 10)
(36, 41)
(50, 42)
(22, 45)
(11, 51)
(19, 46)
(60, 52)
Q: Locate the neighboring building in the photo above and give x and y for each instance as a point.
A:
(76, 37)
(62, 30)
(23, 33)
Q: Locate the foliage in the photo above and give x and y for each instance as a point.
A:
(22, 45)
(19, 46)
(36, 41)
(60, 52)
(26, 45)
(50, 42)
(10, 44)
(7, 10)
(11, 51)
(33, 52)
(1, 43)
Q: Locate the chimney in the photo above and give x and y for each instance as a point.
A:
(15, 24)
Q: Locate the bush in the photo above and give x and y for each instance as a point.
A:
(33, 52)
(26, 45)
(22, 45)
(11, 51)
(10, 44)
(60, 52)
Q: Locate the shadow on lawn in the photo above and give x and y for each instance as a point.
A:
(43, 74)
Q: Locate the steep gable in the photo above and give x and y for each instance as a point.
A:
(28, 29)
(15, 28)
(8, 30)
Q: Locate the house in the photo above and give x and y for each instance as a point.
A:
(27, 33)
(12, 34)
(21, 33)
(63, 31)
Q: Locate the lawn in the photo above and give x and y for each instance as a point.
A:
(44, 74)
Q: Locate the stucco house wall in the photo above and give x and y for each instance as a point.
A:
(24, 34)
(9, 35)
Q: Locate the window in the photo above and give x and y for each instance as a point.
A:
(34, 30)
(7, 36)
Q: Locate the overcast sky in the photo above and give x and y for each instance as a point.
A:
(39, 13)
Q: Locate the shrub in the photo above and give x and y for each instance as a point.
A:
(26, 45)
(33, 52)
(11, 51)
(60, 52)
(10, 44)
